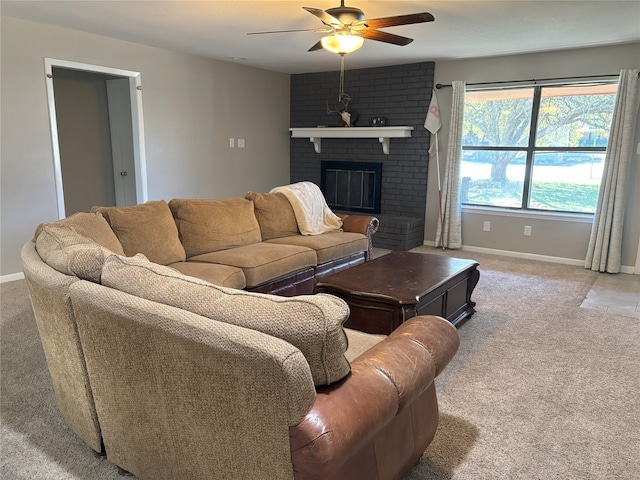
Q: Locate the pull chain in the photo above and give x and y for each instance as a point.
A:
(341, 77)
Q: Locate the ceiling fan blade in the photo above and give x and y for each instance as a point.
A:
(286, 31)
(317, 46)
(324, 16)
(373, 34)
(399, 20)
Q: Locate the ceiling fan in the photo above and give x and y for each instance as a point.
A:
(347, 28)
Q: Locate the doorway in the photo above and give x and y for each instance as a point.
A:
(95, 116)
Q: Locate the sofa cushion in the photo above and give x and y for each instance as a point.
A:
(147, 228)
(90, 225)
(274, 214)
(312, 323)
(328, 246)
(212, 225)
(222, 275)
(65, 250)
(262, 262)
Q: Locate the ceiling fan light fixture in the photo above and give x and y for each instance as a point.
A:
(342, 44)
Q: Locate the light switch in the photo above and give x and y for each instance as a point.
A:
(232, 142)
(241, 143)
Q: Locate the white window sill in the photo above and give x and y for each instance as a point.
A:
(505, 212)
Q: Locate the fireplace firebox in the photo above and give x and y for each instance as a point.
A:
(352, 186)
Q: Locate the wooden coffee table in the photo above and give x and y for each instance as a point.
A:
(386, 291)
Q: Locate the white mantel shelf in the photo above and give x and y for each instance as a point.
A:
(383, 134)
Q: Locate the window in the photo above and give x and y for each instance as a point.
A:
(536, 148)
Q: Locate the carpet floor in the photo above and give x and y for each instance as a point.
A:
(540, 388)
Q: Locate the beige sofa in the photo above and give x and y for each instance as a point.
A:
(174, 377)
(251, 243)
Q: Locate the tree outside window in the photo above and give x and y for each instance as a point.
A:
(536, 148)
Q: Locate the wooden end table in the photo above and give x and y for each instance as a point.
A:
(386, 291)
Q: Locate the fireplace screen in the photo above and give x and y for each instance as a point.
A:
(352, 186)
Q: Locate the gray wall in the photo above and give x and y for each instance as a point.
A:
(192, 106)
(557, 236)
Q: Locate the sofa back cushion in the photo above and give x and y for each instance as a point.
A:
(90, 225)
(147, 228)
(312, 323)
(211, 225)
(275, 215)
(65, 250)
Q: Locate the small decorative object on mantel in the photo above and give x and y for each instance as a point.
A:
(347, 116)
(377, 122)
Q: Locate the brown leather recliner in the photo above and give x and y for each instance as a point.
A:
(377, 423)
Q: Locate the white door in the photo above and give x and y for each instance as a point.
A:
(124, 175)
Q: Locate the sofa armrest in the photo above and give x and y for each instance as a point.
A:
(384, 380)
(364, 224)
(435, 334)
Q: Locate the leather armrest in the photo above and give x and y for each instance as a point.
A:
(383, 380)
(435, 334)
(364, 224)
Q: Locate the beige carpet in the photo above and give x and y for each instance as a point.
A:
(540, 388)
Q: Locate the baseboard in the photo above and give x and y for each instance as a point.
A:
(11, 277)
(529, 256)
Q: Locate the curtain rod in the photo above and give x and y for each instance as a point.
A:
(533, 80)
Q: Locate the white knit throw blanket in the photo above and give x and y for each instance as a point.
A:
(311, 210)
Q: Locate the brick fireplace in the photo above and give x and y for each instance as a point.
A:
(401, 93)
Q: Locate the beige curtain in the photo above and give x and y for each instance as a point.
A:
(449, 234)
(605, 244)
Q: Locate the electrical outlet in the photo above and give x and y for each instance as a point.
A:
(487, 226)
(527, 230)
(241, 143)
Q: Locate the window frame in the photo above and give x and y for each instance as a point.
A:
(530, 150)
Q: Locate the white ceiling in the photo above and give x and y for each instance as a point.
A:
(462, 29)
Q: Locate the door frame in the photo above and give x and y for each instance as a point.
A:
(637, 267)
(135, 90)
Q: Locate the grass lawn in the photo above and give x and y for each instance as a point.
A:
(554, 196)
